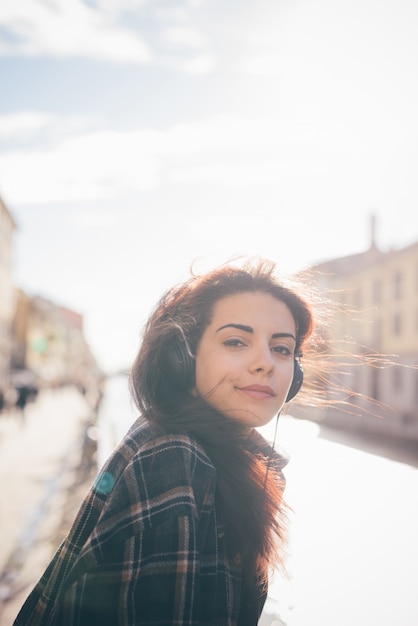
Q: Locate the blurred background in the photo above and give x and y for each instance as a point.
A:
(141, 137)
(138, 136)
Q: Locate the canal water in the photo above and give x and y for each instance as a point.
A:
(354, 549)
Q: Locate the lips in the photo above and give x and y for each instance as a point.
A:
(259, 392)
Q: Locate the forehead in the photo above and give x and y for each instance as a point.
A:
(254, 309)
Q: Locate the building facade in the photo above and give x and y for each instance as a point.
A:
(7, 292)
(41, 343)
(377, 326)
(49, 341)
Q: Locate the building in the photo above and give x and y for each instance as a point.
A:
(19, 330)
(7, 292)
(374, 339)
(49, 341)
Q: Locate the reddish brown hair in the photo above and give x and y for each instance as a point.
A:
(248, 494)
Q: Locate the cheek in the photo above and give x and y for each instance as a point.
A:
(209, 374)
(286, 375)
(198, 390)
(202, 379)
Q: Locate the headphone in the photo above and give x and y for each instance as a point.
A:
(179, 367)
(296, 381)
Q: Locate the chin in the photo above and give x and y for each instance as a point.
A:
(248, 418)
(265, 421)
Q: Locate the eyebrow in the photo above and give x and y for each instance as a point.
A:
(248, 329)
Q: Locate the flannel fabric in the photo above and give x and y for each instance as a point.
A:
(146, 547)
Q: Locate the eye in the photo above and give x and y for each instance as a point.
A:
(284, 350)
(234, 343)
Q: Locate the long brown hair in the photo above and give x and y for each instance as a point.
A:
(249, 486)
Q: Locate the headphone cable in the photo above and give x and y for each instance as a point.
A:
(272, 450)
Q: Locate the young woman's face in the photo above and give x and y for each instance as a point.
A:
(245, 359)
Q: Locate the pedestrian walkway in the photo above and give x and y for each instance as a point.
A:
(40, 453)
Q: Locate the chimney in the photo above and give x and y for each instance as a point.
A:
(373, 245)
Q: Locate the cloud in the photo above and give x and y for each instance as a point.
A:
(197, 64)
(86, 167)
(119, 32)
(106, 164)
(94, 165)
(67, 29)
(26, 128)
(18, 125)
(184, 36)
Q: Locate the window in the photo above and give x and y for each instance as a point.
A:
(377, 333)
(397, 379)
(416, 385)
(377, 291)
(397, 324)
(397, 285)
(375, 383)
(357, 297)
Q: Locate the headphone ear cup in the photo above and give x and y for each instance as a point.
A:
(179, 366)
(296, 382)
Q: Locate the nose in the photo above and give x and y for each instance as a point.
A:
(262, 361)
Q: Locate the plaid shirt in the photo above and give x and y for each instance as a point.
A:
(146, 547)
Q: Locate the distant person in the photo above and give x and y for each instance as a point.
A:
(186, 519)
(23, 395)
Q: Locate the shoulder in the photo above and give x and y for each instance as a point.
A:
(145, 445)
(157, 474)
(258, 444)
(151, 447)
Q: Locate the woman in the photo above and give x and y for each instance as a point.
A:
(186, 517)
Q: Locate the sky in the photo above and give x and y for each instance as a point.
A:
(138, 137)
